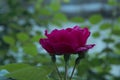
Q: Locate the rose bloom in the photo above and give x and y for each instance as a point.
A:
(66, 41)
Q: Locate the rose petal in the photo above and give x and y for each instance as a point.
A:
(46, 45)
(85, 48)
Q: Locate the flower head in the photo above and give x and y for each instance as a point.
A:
(66, 41)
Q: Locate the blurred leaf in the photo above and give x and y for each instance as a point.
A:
(107, 50)
(53, 75)
(118, 19)
(14, 48)
(22, 36)
(15, 26)
(117, 51)
(116, 32)
(112, 2)
(31, 73)
(42, 59)
(3, 52)
(114, 60)
(83, 67)
(55, 6)
(94, 19)
(117, 45)
(116, 26)
(13, 67)
(96, 34)
(45, 12)
(103, 69)
(105, 26)
(96, 62)
(38, 5)
(78, 19)
(60, 17)
(22, 71)
(99, 69)
(30, 49)
(108, 40)
(36, 38)
(9, 40)
(66, 1)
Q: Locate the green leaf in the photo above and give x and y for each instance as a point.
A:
(42, 59)
(94, 19)
(13, 67)
(116, 32)
(78, 19)
(96, 34)
(114, 60)
(30, 49)
(96, 62)
(107, 50)
(112, 2)
(14, 48)
(105, 26)
(37, 37)
(66, 1)
(55, 6)
(32, 73)
(9, 40)
(100, 69)
(108, 40)
(117, 45)
(15, 26)
(20, 71)
(44, 11)
(22, 36)
(60, 17)
(83, 67)
(38, 5)
(118, 19)
(117, 51)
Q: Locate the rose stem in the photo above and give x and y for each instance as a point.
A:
(57, 71)
(73, 71)
(77, 61)
(66, 59)
(53, 58)
(66, 70)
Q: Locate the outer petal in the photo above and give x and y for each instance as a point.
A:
(86, 34)
(46, 45)
(77, 28)
(85, 48)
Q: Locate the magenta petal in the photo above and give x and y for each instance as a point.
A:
(63, 48)
(85, 48)
(46, 45)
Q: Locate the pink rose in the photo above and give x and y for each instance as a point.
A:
(66, 41)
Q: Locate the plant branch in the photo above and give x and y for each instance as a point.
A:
(73, 71)
(58, 71)
(53, 58)
(66, 69)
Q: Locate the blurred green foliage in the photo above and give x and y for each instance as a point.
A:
(19, 17)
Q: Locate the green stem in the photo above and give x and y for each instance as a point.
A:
(73, 71)
(57, 71)
(77, 61)
(53, 58)
(66, 59)
(66, 63)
